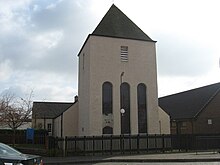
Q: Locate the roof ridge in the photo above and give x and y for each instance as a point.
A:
(190, 90)
(209, 100)
(66, 109)
(190, 103)
(117, 24)
(50, 109)
(53, 102)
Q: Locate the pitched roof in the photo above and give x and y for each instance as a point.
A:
(188, 104)
(116, 24)
(49, 110)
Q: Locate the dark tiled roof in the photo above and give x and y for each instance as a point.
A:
(49, 110)
(116, 24)
(188, 104)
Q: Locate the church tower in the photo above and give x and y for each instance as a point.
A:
(118, 79)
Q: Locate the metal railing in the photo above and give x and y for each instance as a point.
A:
(122, 144)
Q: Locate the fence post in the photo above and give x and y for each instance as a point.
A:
(65, 148)
(49, 142)
(46, 142)
(102, 146)
(111, 145)
(178, 142)
(93, 145)
(196, 139)
(155, 140)
(75, 144)
(147, 142)
(171, 142)
(84, 145)
(121, 147)
(187, 142)
(130, 142)
(138, 138)
(163, 143)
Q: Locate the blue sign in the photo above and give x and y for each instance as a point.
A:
(30, 134)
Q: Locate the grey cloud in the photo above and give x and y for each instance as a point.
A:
(66, 14)
(19, 48)
(57, 17)
(15, 90)
(182, 58)
(15, 49)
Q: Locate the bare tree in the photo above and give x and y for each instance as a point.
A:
(6, 102)
(15, 111)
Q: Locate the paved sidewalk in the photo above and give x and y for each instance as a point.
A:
(168, 157)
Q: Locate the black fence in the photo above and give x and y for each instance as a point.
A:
(122, 144)
(133, 144)
(20, 136)
(118, 144)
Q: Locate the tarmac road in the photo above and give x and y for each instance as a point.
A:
(196, 163)
(185, 163)
(196, 158)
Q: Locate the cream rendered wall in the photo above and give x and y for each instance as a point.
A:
(57, 126)
(84, 90)
(38, 123)
(104, 64)
(164, 122)
(70, 121)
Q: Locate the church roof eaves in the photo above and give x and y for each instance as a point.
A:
(50, 110)
(108, 36)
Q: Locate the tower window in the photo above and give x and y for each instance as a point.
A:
(107, 98)
(124, 53)
(142, 108)
(125, 105)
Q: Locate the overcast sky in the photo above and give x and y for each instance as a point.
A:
(40, 40)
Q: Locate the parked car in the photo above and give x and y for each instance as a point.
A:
(10, 156)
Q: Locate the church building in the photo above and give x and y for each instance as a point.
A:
(117, 88)
(118, 79)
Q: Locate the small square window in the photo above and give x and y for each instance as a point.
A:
(209, 121)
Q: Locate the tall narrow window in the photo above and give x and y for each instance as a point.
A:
(107, 127)
(125, 105)
(142, 108)
(107, 98)
(124, 54)
(49, 127)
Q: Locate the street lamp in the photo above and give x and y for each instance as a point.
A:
(122, 111)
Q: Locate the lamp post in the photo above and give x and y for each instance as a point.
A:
(122, 74)
(122, 98)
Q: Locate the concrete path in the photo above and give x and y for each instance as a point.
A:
(168, 157)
